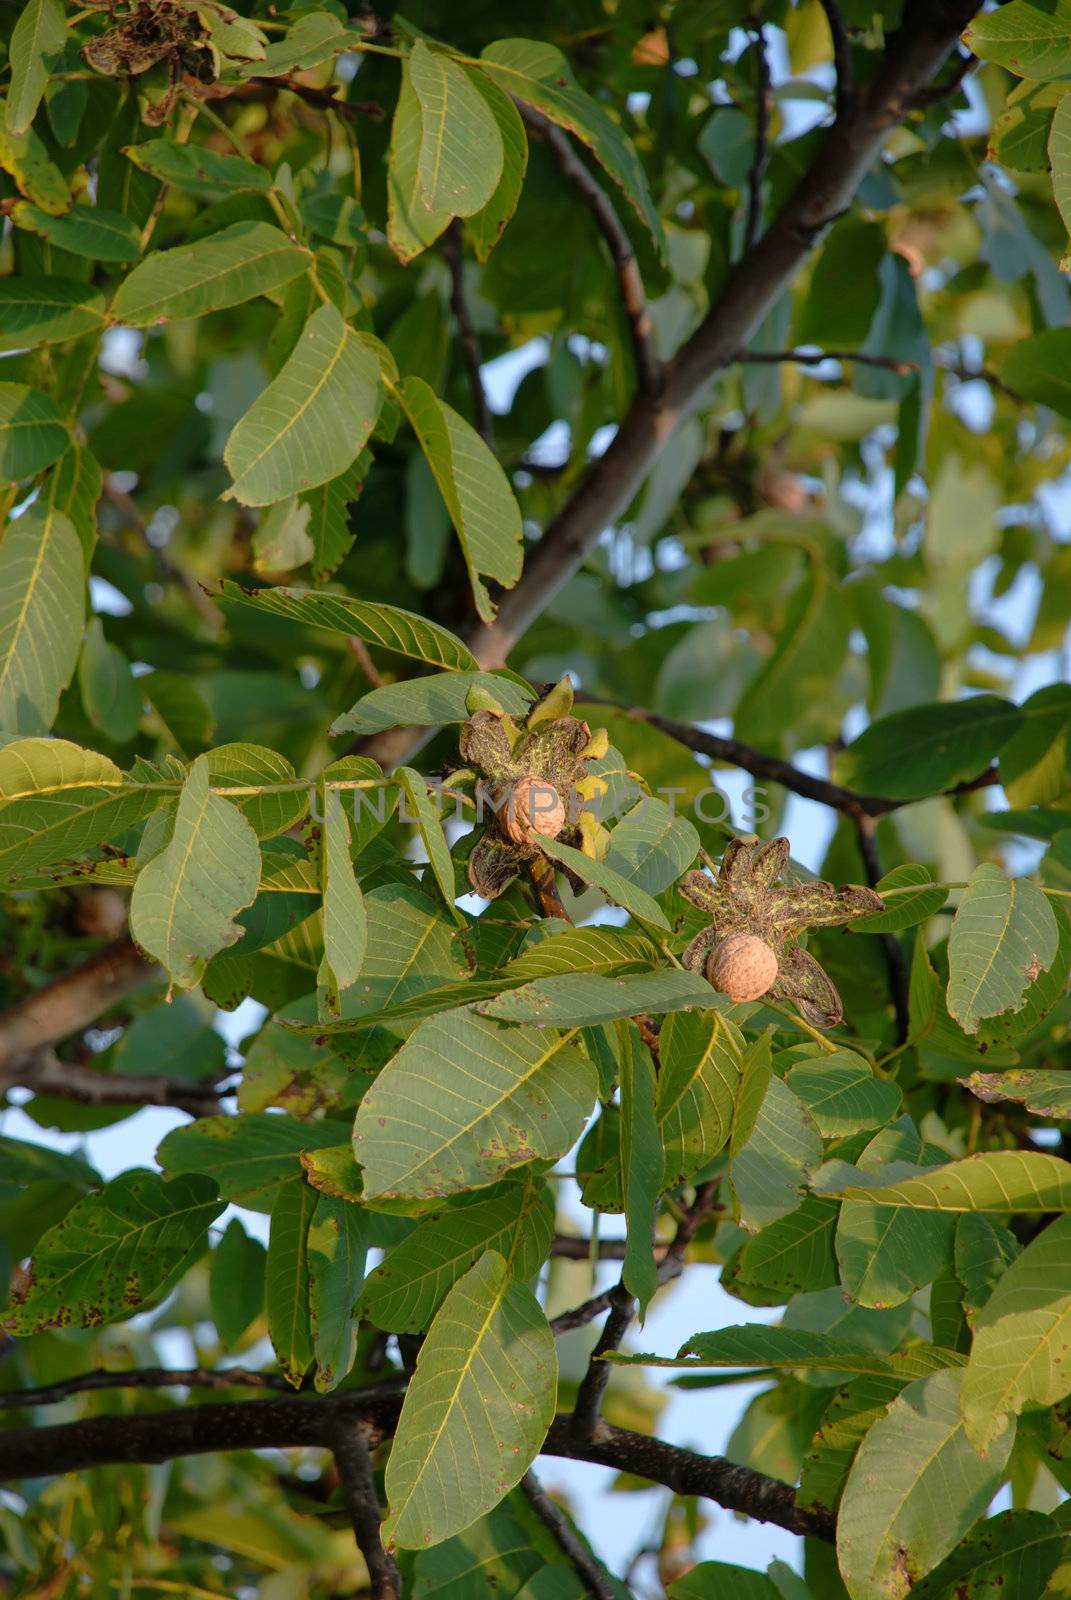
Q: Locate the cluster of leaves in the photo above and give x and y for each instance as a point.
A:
(247, 260)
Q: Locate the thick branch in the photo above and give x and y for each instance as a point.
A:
(297, 1421)
(649, 370)
(466, 334)
(359, 1490)
(74, 1000)
(43, 1072)
(586, 1567)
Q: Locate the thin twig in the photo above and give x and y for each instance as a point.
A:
(932, 94)
(966, 374)
(649, 369)
(354, 1465)
(760, 160)
(144, 1378)
(199, 600)
(587, 1568)
(593, 1385)
(322, 99)
(842, 60)
(360, 653)
(467, 336)
(735, 753)
(814, 358)
(892, 953)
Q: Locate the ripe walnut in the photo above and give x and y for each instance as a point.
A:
(741, 966)
(532, 803)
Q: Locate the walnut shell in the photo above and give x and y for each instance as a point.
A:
(532, 803)
(741, 966)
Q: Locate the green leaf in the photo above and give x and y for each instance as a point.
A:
(42, 606)
(345, 922)
(239, 262)
(769, 1166)
(197, 169)
(722, 1580)
(465, 1101)
(57, 800)
(426, 816)
(915, 1457)
(313, 37)
(312, 421)
(337, 1245)
(651, 847)
(1037, 367)
(47, 311)
(885, 1255)
(616, 888)
(516, 1219)
(236, 1282)
(110, 696)
(642, 1165)
(1004, 934)
(186, 898)
(845, 288)
(584, 999)
(914, 900)
(37, 41)
(486, 226)
(1000, 1180)
(459, 161)
(842, 1094)
(243, 766)
(248, 1155)
(25, 156)
(851, 1413)
(115, 1252)
(401, 631)
(1034, 762)
(286, 1283)
(411, 224)
(1031, 40)
(795, 687)
(752, 1345)
(72, 489)
(328, 527)
(90, 231)
(477, 1408)
(1045, 1094)
(538, 73)
(791, 1256)
(1015, 1552)
(32, 432)
(34, 1163)
(477, 492)
(701, 1064)
(1020, 1354)
(494, 1555)
(916, 752)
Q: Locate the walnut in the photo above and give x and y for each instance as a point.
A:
(532, 803)
(741, 966)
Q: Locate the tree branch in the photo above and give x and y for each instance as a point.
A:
(466, 333)
(649, 370)
(760, 765)
(144, 1378)
(585, 1415)
(759, 161)
(291, 1422)
(43, 1072)
(587, 1568)
(73, 1000)
(842, 60)
(814, 358)
(359, 1490)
